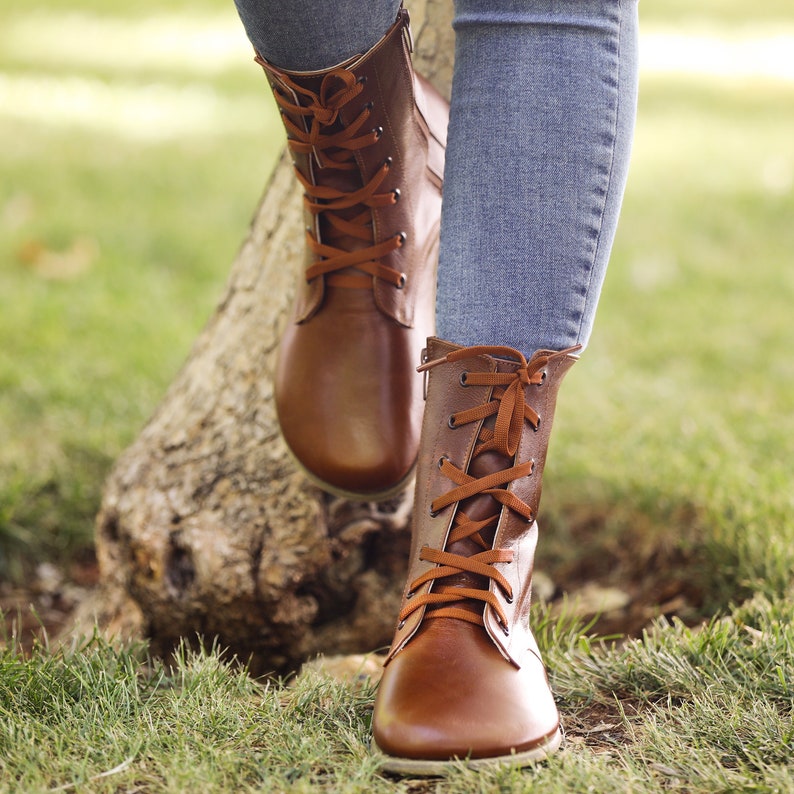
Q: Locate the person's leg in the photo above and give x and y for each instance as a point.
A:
(306, 35)
(543, 108)
(541, 123)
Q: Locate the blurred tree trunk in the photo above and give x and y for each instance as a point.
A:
(206, 528)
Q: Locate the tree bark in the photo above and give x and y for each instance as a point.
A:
(206, 527)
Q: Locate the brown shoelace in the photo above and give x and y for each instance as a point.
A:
(334, 146)
(508, 404)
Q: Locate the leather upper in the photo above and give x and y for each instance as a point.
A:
(452, 687)
(348, 398)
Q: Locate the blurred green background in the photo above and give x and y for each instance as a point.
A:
(135, 141)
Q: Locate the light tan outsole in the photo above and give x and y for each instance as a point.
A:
(426, 768)
(354, 496)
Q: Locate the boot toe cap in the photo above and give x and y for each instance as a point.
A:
(350, 414)
(450, 694)
(369, 468)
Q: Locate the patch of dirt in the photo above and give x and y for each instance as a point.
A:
(38, 609)
(617, 580)
(599, 727)
(624, 571)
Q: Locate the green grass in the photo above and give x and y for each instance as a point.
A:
(678, 419)
(715, 14)
(671, 458)
(705, 711)
(115, 241)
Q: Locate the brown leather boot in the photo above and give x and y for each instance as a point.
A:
(368, 139)
(464, 678)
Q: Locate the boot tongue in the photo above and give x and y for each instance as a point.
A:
(327, 174)
(477, 508)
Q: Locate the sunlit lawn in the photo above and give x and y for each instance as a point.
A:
(129, 170)
(129, 175)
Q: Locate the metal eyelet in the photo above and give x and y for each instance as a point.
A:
(401, 625)
(362, 78)
(537, 426)
(451, 422)
(388, 162)
(463, 376)
(403, 280)
(402, 237)
(441, 460)
(396, 193)
(378, 133)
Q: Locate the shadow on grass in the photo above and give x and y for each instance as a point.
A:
(663, 556)
(50, 516)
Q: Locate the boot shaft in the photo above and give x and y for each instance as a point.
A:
(456, 389)
(369, 128)
(367, 137)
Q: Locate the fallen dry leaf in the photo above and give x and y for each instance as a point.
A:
(60, 265)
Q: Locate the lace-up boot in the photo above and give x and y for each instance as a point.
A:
(464, 678)
(367, 138)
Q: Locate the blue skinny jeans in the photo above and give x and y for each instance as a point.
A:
(541, 124)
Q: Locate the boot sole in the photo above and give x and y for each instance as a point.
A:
(353, 496)
(435, 768)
